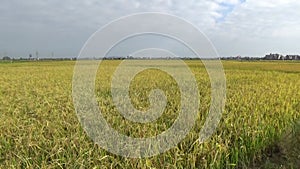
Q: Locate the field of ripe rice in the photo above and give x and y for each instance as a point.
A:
(259, 127)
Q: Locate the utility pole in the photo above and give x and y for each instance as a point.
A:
(37, 55)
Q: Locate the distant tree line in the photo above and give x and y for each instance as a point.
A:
(266, 57)
(7, 58)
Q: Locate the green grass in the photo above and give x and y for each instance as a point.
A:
(39, 127)
(285, 152)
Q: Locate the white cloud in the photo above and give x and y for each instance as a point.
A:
(233, 2)
(252, 27)
(263, 26)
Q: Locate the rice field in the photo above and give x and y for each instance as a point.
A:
(259, 127)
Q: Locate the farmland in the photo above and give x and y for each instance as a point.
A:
(39, 127)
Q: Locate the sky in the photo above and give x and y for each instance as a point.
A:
(56, 28)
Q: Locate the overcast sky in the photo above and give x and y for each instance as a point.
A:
(236, 27)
